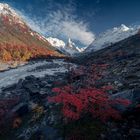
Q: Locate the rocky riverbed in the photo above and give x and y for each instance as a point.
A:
(36, 68)
(29, 86)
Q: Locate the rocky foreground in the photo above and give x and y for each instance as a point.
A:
(26, 113)
(23, 92)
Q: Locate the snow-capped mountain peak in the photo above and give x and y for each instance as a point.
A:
(4, 6)
(68, 48)
(122, 28)
(125, 28)
(9, 13)
(12, 18)
(56, 42)
(112, 36)
(70, 43)
(5, 9)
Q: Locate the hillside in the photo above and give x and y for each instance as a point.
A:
(18, 41)
(123, 66)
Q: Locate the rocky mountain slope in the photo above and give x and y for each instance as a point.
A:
(15, 35)
(122, 71)
(112, 36)
(123, 59)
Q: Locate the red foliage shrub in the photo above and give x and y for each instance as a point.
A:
(78, 101)
(92, 100)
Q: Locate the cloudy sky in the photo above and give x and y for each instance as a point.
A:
(80, 20)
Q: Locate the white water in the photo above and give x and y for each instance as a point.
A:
(12, 76)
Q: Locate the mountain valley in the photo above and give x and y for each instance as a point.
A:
(52, 90)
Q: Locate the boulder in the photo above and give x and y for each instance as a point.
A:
(132, 95)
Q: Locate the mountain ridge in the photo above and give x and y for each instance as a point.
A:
(112, 36)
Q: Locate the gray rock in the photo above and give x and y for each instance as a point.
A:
(9, 88)
(32, 87)
(132, 95)
(135, 132)
(20, 109)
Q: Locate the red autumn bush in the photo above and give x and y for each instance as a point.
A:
(11, 52)
(92, 101)
(77, 101)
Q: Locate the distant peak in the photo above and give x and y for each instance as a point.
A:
(11, 13)
(6, 9)
(70, 43)
(69, 40)
(112, 36)
(124, 27)
(56, 42)
(69, 48)
(4, 6)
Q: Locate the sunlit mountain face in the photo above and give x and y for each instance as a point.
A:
(18, 41)
(69, 70)
(112, 36)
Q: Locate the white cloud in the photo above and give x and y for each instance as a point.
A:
(63, 23)
(77, 31)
